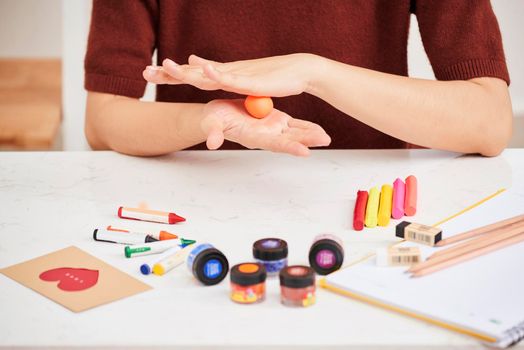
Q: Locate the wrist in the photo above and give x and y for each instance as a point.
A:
(316, 70)
(189, 126)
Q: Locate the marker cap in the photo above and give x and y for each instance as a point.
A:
(128, 251)
(145, 269)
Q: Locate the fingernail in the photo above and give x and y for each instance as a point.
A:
(153, 68)
(169, 62)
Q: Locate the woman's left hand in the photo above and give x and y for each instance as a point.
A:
(275, 76)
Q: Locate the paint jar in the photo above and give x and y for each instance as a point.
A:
(272, 253)
(297, 286)
(207, 264)
(248, 283)
(326, 254)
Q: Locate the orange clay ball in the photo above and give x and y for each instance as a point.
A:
(258, 106)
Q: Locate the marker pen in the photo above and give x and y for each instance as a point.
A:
(177, 257)
(154, 247)
(104, 235)
(147, 268)
(163, 217)
(160, 235)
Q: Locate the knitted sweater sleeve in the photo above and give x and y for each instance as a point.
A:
(461, 38)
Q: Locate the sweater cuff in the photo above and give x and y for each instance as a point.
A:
(115, 85)
(474, 69)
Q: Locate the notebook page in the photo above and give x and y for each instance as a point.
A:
(485, 294)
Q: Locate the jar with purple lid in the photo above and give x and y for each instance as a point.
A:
(326, 254)
(272, 253)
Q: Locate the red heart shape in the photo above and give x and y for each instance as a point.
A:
(71, 279)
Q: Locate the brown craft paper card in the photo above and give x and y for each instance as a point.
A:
(75, 279)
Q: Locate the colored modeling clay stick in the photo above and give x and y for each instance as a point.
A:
(372, 208)
(384, 208)
(360, 210)
(160, 235)
(132, 251)
(163, 217)
(410, 202)
(104, 235)
(258, 106)
(177, 257)
(399, 191)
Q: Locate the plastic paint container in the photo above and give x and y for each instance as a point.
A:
(297, 286)
(248, 283)
(326, 254)
(272, 253)
(207, 264)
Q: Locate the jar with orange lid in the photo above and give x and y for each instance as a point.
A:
(248, 283)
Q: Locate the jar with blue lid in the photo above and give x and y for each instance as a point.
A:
(272, 253)
(207, 264)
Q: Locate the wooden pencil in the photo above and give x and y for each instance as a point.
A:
(485, 236)
(479, 231)
(471, 255)
(464, 249)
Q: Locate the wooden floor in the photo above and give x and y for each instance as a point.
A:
(30, 103)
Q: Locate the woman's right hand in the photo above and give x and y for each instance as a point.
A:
(278, 132)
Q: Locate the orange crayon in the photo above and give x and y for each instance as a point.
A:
(160, 235)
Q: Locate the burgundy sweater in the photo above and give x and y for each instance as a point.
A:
(461, 38)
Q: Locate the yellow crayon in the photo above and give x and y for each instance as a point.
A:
(384, 209)
(372, 208)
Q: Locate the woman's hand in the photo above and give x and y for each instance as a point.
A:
(276, 76)
(278, 132)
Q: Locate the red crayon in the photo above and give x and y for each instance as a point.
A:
(410, 200)
(360, 210)
(149, 215)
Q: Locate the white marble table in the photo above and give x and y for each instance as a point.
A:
(52, 200)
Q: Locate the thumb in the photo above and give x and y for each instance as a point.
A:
(215, 135)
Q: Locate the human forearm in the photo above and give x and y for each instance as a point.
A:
(153, 128)
(142, 128)
(465, 116)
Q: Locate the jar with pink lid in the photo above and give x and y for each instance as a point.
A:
(326, 254)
